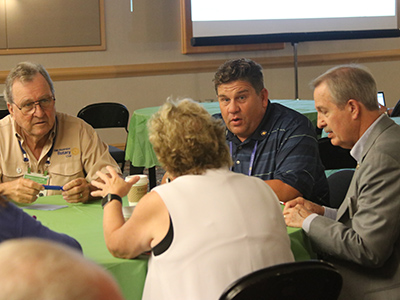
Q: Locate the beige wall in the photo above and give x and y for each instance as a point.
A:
(151, 34)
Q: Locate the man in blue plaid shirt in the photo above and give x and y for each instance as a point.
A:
(268, 140)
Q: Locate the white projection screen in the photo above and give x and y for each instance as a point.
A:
(229, 22)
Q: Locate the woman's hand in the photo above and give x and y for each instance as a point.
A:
(112, 183)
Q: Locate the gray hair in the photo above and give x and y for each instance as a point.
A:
(25, 72)
(347, 82)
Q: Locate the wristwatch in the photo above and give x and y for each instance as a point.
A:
(109, 198)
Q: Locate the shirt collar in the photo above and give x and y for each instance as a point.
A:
(358, 148)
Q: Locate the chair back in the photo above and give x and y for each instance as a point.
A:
(339, 183)
(396, 110)
(105, 115)
(305, 280)
(335, 157)
(3, 113)
(3, 104)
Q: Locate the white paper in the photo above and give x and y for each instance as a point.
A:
(45, 206)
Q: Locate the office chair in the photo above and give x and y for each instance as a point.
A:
(339, 183)
(396, 110)
(3, 113)
(335, 157)
(107, 115)
(305, 280)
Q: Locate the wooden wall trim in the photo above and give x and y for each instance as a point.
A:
(62, 49)
(187, 34)
(192, 67)
(44, 50)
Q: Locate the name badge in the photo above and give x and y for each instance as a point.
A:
(39, 178)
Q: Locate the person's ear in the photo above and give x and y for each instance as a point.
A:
(264, 96)
(354, 107)
(10, 109)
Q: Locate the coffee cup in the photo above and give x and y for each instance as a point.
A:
(127, 212)
(138, 190)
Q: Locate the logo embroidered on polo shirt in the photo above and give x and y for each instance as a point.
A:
(75, 151)
(67, 152)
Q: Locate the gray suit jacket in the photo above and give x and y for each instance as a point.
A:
(364, 242)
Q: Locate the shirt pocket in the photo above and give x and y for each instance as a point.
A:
(11, 172)
(63, 172)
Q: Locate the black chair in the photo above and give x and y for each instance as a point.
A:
(107, 115)
(335, 157)
(338, 185)
(3, 113)
(305, 280)
(396, 110)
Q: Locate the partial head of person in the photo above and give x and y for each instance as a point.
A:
(346, 101)
(41, 269)
(187, 139)
(30, 97)
(242, 97)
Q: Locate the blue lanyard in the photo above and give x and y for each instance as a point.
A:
(252, 157)
(47, 164)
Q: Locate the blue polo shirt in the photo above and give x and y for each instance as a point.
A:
(15, 223)
(285, 147)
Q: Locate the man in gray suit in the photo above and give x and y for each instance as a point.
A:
(361, 238)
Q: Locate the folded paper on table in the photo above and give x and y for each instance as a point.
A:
(45, 206)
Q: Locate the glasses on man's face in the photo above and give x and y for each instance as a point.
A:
(29, 107)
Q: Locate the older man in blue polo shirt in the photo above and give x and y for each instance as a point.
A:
(268, 140)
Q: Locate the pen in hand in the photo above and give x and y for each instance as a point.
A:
(53, 187)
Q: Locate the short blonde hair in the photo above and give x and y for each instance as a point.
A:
(187, 139)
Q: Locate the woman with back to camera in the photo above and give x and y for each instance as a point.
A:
(208, 226)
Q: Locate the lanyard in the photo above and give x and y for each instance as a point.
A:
(252, 157)
(26, 158)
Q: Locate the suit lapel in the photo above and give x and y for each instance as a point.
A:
(350, 201)
(380, 127)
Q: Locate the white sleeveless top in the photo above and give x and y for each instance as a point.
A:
(225, 225)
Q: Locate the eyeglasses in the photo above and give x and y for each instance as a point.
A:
(30, 107)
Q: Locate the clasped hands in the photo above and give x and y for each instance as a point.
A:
(298, 209)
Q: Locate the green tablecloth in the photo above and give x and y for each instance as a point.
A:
(84, 223)
(140, 152)
(300, 244)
